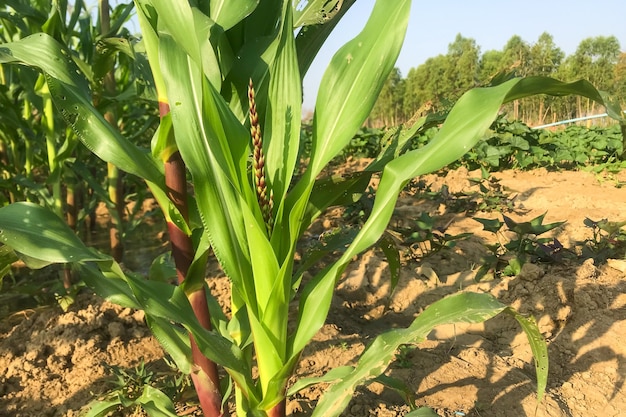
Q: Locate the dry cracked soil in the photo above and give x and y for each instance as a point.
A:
(53, 363)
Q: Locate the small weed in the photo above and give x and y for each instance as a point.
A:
(359, 211)
(608, 240)
(142, 388)
(507, 256)
(403, 357)
(491, 196)
(425, 239)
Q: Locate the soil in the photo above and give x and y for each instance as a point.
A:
(53, 363)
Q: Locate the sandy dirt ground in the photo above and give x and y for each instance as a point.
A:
(54, 363)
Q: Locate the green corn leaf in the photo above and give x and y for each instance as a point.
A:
(192, 31)
(108, 285)
(347, 94)
(468, 120)
(283, 112)
(331, 191)
(354, 78)
(333, 375)
(43, 51)
(214, 146)
(156, 403)
(174, 341)
(39, 233)
(462, 307)
(465, 125)
(99, 136)
(227, 13)
(146, 15)
(70, 93)
(422, 412)
(162, 300)
(530, 86)
(392, 253)
(315, 12)
(102, 408)
(310, 39)
(539, 348)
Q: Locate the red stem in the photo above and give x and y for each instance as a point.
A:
(205, 377)
(279, 410)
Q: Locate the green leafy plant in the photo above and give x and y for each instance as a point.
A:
(228, 77)
(141, 388)
(490, 196)
(508, 255)
(607, 241)
(425, 238)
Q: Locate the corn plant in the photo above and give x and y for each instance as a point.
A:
(228, 77)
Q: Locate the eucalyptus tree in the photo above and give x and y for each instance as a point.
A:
(462, 66)
(594, 60)
(388, 110)
(545, 59)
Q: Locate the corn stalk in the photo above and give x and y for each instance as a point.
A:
(239, 143)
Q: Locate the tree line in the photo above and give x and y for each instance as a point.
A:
(440, 81)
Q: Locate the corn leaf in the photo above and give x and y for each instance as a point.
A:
(214, 148)
(354, 78)
(468, 120)
(108, 285)
(70, 93)
(156, 403)
(227, 13)
(39, 233)
(283, 112)
(538, 347)
(309, 12)
(422, 412)
(462, 307)
(102, 408)
(174, 341)
(311, 38)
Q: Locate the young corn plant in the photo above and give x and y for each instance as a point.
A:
(228, 77)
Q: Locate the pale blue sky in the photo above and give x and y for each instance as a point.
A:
(434, 24)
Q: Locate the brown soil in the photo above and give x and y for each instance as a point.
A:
(53, 363)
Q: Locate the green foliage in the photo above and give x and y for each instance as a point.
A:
(490, 196)
(425, 239)
(509, 254)
(141, 388)
(441, 79)
(513, 145)
(203, 57)
(608, 240)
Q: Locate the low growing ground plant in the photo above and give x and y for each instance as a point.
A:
(228, 77)
(608, 240)
(425, 238)
(509, 254)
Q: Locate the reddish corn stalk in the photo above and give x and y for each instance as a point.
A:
(266, 202)
(205, 377)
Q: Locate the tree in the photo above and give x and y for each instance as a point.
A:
(595, 60)
(516, 56)
(388, 110)
(490, 65)
(425, 83)
(461, 71)
(619, 87)
(545, 59)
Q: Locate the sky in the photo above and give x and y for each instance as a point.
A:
(433, 25)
